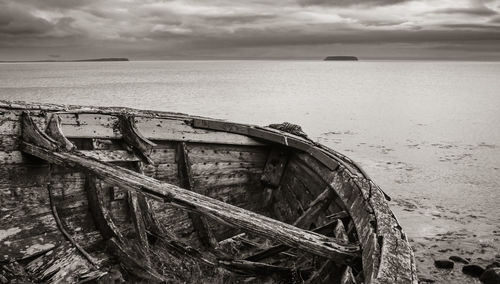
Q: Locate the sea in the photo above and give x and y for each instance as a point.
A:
(427, 132)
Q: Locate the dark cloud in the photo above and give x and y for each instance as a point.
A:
(474, 11)
(347, 3)
(15, 21)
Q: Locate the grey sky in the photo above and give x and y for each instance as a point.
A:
(233, 29)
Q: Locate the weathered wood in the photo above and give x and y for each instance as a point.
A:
(275, 166)
(55, 132)
(181, 130)
(171, 128)
(338, 215)
(259, 269)
(269, 135)
(230, 215)
(133, 264)
(316, 207)
(326, 230)
(62, 265)
(348, 277)
(32, 134)
(323, 274)
(134, 138)
(111, 155)
(113, 236)
(138, 221)
(200, 224)
(272, 173)
(172, 243)
(87, 256)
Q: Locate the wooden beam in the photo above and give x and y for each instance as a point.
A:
(134, 138)
(53, 207)
(172, 243)
(138, 221)
(218, 210)
(326, 230)
(32, 134)
(110, 232)
(55, 131)
(199, 222)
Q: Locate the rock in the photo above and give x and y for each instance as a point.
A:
(493, 265)
(341, 58)
(491, 276)
(457, 258)
(444, 263)
(473, 270)
(422, 279)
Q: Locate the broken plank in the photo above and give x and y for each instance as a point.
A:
(326, 230)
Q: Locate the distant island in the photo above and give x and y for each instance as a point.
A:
(341, 58)
(78, 60)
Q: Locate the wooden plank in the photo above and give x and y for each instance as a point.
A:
(268, 135)
(209, 153)
(200, 224)
(224, 168)
(231, 215)
(180, 130)
(89, 125)
(95, 125)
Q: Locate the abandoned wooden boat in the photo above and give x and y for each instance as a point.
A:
(105, 195)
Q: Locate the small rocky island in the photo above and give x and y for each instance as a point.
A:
(102, 59)
(341, 58)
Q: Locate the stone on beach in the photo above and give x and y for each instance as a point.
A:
(491, 276)
(473, 270)
(457, 258)
(444, 263)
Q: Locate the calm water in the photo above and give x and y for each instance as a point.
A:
(427, 132)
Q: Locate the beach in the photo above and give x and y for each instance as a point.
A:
(426, 132)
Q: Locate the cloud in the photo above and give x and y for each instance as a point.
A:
(15, 21)
(167, 29)
(344, 3)
(473, 11)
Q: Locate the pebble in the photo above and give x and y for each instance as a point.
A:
(425, 280)
(494, 264)
(491, 276)
(457, 258)
(444, 263)
(473, 270)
